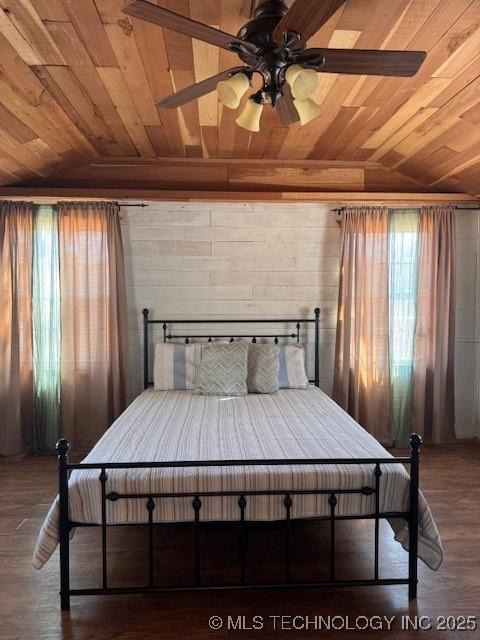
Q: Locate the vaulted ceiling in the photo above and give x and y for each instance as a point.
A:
(78, 80)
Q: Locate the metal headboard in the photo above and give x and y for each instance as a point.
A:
(168, 335)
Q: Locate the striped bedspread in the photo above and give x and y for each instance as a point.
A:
(178, 425)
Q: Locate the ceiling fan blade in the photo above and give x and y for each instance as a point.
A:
(285, 107)
(176, 22)
(305, 17)
(196, 90)
(365, 61)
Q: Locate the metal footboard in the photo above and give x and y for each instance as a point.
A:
(151, 501)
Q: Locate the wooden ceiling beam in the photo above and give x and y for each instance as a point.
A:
(232, 175)
(54, 193)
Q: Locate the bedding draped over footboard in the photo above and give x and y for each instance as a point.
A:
(180, 426)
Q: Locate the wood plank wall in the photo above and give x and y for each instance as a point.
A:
(193, 260)
(236, 259)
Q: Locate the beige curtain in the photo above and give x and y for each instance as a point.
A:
(16, 376)
(94, 320)
(433, 372)
(361, 379)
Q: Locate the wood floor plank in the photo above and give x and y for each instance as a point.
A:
(29, 607)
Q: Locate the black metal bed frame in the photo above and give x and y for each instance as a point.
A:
(410, 515)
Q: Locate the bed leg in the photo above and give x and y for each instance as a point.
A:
(64, 602)
(63, 447)
(415, 442)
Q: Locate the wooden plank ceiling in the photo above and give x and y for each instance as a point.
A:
(78, 81)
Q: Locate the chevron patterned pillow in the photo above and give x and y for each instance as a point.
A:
(223, 370)
(263, 366)
(292, 374)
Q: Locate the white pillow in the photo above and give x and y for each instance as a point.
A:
(176, 365)
(291, 374)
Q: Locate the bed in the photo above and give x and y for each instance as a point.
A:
(174, 456)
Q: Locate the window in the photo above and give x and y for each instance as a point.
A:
(402, 308)
(46, 327)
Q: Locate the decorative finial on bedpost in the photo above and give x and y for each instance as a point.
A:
(317, 312)
(415, 441)
(63, 447)
(145, 313)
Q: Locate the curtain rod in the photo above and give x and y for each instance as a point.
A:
(129, 204)
(132, 204)
(340, 210)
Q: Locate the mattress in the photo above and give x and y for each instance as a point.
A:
(178, 426)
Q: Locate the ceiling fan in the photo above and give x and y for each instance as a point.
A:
(272, 44)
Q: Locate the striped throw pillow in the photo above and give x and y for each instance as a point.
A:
(176, 365)
(291, 374)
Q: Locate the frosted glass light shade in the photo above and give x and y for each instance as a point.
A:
(307, 110)
(230, 91)
(303, 82)
(249, 119)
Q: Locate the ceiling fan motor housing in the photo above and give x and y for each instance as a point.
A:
(271, 8)
(271, 58)
(259, 30)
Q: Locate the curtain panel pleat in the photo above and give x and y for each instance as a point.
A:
(16, 366)
(361, 376)
(433, 413)
(94, 320)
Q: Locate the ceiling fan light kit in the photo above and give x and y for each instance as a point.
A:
(249, 119)
(231, 91)
(307, 110)
(273, 45)
(303, 82)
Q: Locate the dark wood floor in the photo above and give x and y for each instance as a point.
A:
(29, 606)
